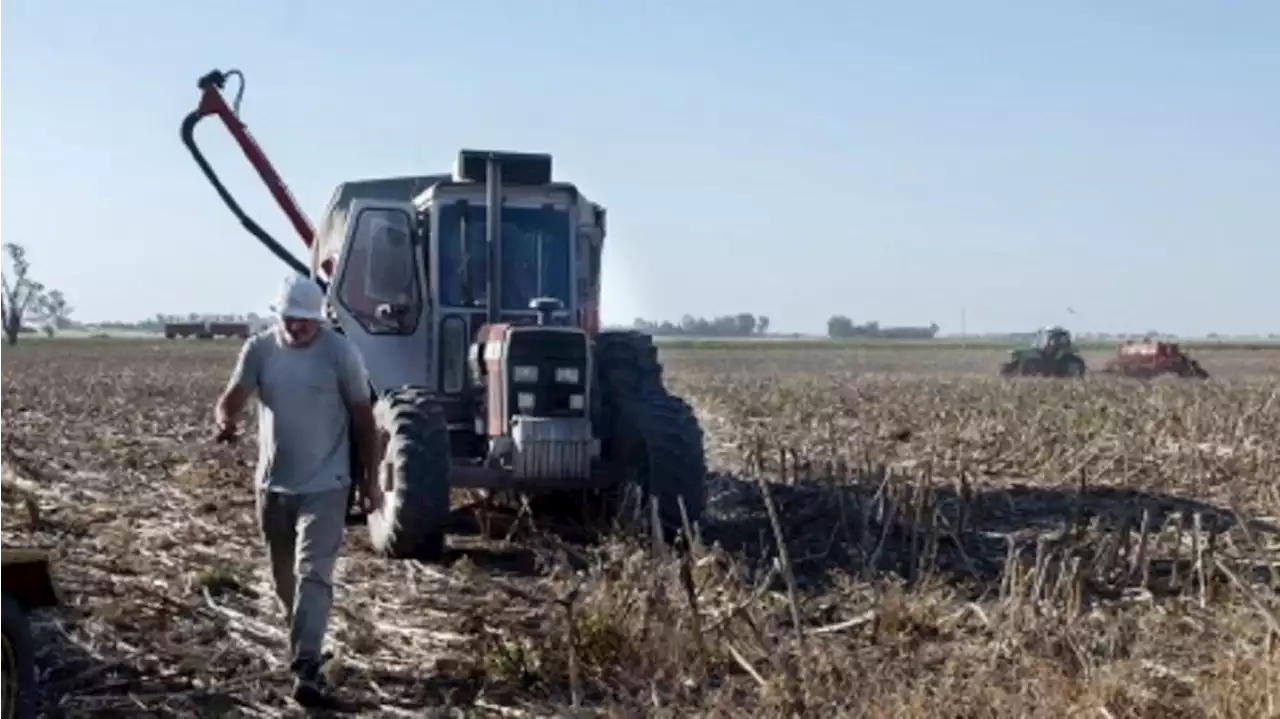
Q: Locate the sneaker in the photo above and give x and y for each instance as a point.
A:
(310, 690)
(311, 693)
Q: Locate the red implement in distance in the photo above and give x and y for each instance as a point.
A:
(1151, 359)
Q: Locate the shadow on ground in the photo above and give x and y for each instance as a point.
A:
(886, 523)
(880, 523)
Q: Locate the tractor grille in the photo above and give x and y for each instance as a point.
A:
(549, 352)
(534, 346)
(547, 448)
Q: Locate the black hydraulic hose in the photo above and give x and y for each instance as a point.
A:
(188, 139)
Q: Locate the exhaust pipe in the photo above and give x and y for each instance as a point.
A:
(493, 235)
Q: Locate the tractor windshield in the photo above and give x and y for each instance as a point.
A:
(536, 259)
(1051, 338)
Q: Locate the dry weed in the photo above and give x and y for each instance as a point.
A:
(952, 546)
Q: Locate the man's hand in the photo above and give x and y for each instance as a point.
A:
(229, 406)
(226, 430)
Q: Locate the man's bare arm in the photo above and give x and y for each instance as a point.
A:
(231, 404)
(240, 388)
(356, 392)
(366, 430)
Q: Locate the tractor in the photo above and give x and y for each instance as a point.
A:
(473, 299)
(1149, 359)
(1051, 354)
(27, 585)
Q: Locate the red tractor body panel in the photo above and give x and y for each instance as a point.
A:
(491, 342)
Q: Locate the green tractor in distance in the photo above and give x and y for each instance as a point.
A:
(1051, 355)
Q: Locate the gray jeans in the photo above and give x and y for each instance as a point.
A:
(303, 534)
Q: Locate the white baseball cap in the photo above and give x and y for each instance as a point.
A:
(299, 298)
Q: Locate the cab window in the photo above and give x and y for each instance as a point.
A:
(379, 284)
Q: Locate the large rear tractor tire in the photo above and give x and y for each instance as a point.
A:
(664, 461)
(20, 690)
(651, 437)
(415, 476)
(627, 363)
(1073, 367)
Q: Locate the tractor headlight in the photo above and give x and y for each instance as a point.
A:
(577, 402)
(525, 373)
(567, 375)
(525, 401)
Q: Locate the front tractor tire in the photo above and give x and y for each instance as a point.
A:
(652, 438)
(415, 476)
(1023, 367)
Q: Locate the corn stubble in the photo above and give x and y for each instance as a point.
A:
(889, 534)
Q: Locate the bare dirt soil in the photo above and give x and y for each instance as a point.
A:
(891, 534)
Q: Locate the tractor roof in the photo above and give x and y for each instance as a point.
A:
(402, 189)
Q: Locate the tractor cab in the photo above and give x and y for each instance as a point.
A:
(414, 263)
(1051, 354)
(1052, 340)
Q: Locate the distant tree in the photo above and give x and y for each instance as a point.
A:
(742, 324)
(762, 325)
(21, 294)
(55, 310)
(689, 324)
(840, 327)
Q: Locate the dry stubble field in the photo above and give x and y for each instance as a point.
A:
(952, 546)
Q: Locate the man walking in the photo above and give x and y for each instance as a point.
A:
(312, 387)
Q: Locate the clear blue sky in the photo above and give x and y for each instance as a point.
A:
(895, 161)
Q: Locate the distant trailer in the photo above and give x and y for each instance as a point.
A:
(229, 329)
(206, 330)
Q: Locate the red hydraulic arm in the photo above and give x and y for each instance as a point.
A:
(213, 103)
